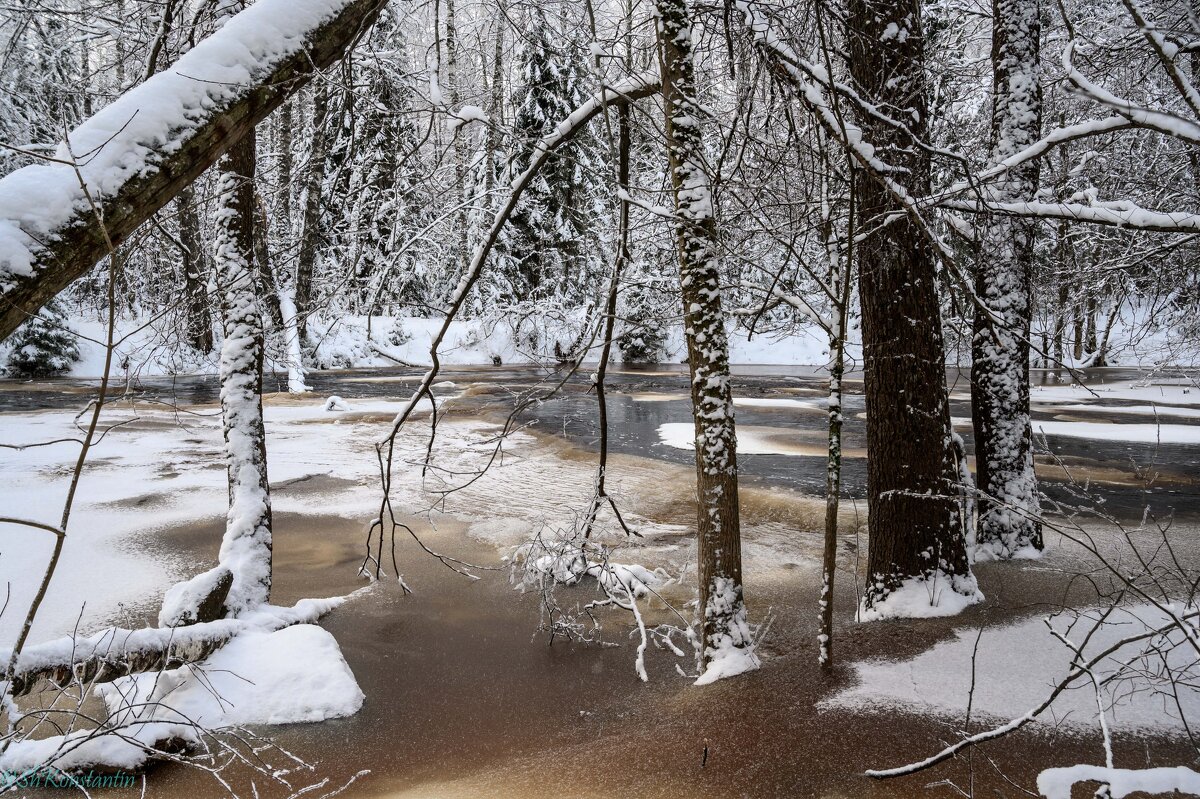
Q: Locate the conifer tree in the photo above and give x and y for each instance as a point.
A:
(44, 346)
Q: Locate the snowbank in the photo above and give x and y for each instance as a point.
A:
(153, 348)
(1013, 669)
(293, 675)
(929, 597)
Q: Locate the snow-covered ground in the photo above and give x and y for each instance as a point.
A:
(154, 470)
(1002, 672)
(152, 348)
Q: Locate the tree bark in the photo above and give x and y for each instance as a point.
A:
(727, 647)
(310, 233)
(72, 248)
(246, 547)
(914, 523)
(268, 286)
(197, 320)
(1009, 509)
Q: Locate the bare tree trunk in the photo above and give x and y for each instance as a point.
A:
(915, 527)
(1009, 508)
(198, 322)
(268, 286)
(283, 127)
(1060, 309)
(841, 276)
(1089, 343)
(492, 143)
(460, 141)
(726, 646)
(310, 232)
(1077, 330)
(246, 547)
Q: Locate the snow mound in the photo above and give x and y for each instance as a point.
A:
(1056, 783)
(292, 675)
(929, 597)
(336, 403)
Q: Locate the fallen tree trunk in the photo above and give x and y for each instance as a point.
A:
(136, 154)
(114, 652)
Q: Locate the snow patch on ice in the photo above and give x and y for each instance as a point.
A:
(750, 441)
(1013, 669)
(1056, 783)
(1101, 431)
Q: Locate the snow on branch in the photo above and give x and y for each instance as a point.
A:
(131, 158)
(1166, 123)
(114, 652)
(1116, 214)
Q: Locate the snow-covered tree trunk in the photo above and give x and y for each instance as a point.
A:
(727, 647)
(1008, 520)
(246, 547)
(915, 530)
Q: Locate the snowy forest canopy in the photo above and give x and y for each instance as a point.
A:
(375, 182)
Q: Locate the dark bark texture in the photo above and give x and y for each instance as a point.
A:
(914, 523)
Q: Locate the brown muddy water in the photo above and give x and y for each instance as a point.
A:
(465, 698)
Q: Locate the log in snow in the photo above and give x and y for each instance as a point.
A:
(114, 652)
(136, 154)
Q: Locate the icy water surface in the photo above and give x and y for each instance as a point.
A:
(466, 699)
(1124, 476)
